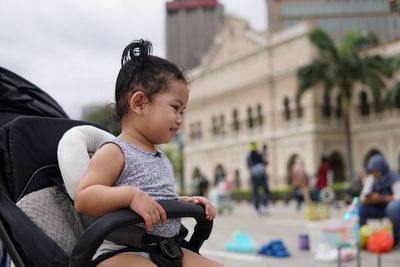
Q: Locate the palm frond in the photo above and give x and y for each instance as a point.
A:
(376, 66)
(375, 84)
(324, 44)
(310, 75)
(354, 41)
(392, 97)
(396, 63)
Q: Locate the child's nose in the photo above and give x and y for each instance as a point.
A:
(179, 119)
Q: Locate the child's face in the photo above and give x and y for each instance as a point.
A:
(163, 115)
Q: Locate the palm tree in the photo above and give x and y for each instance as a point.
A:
(392, 97)
(342, 68)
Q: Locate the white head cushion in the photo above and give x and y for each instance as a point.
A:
(75, 148)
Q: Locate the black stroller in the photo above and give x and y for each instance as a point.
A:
(28, 166)
(20, 97)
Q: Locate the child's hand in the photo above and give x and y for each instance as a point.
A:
(210, 209)
(144, 205)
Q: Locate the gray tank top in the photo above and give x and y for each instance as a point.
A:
(152, 173)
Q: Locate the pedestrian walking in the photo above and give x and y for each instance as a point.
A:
(256, 164)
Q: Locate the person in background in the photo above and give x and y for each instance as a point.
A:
(266, 162)
(256, 164)
(380, 196)
(299, 181)
(322, 178)
(202, 186)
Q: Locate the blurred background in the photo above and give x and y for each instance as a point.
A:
(299, 78)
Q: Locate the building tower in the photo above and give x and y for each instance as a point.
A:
(336, 16)
(395, 5)
(190, 29)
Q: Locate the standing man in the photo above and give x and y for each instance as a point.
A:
(380, 196)
(256, 164)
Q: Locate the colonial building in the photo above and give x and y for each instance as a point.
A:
(244, 91)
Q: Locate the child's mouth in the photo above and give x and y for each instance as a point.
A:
(174, 130)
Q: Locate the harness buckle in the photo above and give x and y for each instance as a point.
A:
(171, 248)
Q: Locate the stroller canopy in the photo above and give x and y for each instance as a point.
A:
(20, 97)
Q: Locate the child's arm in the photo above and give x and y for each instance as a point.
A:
(96, 196)
(210, 209)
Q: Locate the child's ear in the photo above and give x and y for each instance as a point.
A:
(136, 102)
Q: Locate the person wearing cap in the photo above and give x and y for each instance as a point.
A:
(256, 163)
(380, 196)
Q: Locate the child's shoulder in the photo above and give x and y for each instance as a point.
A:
(106, 154)
(110, 147)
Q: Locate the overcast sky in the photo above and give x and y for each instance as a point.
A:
(71, 48)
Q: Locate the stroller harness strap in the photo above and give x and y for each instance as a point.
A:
(165, 252)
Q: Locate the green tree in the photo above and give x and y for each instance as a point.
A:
(175, 155)
(103, 116)
(343, 67)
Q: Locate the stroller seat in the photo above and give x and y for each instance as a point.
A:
(53, 212)
(30, 175)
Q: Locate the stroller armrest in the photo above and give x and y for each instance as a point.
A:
(92, 238)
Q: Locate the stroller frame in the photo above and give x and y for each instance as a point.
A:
(29, 165)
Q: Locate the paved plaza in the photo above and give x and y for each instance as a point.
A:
(284, 223)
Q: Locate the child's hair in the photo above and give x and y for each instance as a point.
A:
(143, 72)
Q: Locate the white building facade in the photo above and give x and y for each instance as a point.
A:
(244, 91)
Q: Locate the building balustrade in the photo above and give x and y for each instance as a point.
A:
(374, 117)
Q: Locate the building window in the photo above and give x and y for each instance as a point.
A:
(364, 106)
(222, 124)
(286, 109)
(250, 119)
(326, 106)
(235, 121)
(299, 110)
(195, 131)
(378, 104)
(218, 124)
(338, 107)
(214, 125)
(260, 115)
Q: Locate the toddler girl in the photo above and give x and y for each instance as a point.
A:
(151, 94)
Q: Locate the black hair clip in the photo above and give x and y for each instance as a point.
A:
(138, 49)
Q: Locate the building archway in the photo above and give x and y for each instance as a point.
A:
(236, 180)
(364, 104)
(289, 167)
(219, 174)
(369, 154)
(196, 173)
